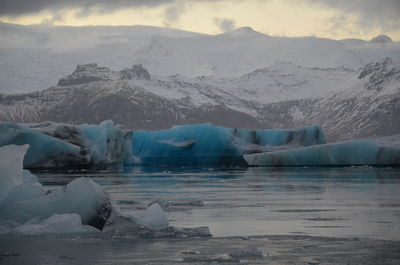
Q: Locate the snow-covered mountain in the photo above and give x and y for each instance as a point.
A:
(244, 50)
(345, 102)
(34, 57)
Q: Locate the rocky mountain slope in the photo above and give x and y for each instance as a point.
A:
(346, 103)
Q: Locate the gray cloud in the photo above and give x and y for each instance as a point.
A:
(385, 9)
(20, 7)
(383, 13)
(172, 14)
(225, 24)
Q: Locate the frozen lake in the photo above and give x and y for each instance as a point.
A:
(334, 202)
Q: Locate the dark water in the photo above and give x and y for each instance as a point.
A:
(334, 202)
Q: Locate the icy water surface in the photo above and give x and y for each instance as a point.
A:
(335, 202)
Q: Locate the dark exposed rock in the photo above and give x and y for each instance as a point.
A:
(86, 73)
(137, 72)
(379, 73)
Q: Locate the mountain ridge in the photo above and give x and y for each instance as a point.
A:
(368, 104)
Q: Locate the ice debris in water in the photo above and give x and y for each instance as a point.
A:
(55, 224)
(248, 252)
(378, 151)
(27, 208)
(165, 204)
(154, 217)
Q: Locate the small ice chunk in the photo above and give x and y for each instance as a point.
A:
(248, 252)
(154, 217)
(55, 224)
(11, 159)
(165, 204)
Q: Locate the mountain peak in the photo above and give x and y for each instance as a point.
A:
(85, 73)
(381, 39)
(243, 31)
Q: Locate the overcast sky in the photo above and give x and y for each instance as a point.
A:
(335, 19)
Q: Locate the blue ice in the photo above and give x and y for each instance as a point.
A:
(207, 144)
(379, 151)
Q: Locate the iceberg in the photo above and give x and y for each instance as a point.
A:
(383, 151)
(55, 224)
(154, 217)
(11, 158)
(22, 197)
(81, 206)
(207, 144)
(44, 150)
(61, 145)
(29, 189)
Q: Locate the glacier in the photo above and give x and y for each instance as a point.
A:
(384, 151)
(207, 144)
(62, 145)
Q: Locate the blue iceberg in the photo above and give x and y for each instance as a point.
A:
(207, 144)
(383, 151)
(44, 150)
(199, 145)
(61, 145)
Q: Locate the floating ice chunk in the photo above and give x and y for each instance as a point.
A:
(81, 196)
(127, 226)
(165, 204)
(11, 159)
(379, 151)
(57, 144)
(248, 252)
(206, 144)
(154, 217)
(44, 150)
(55, 224)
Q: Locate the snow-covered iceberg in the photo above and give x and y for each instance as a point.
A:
(61, 145)
(207, 144)
(378, 151)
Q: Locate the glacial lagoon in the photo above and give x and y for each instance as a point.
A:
(335, 202)
(306, 215)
